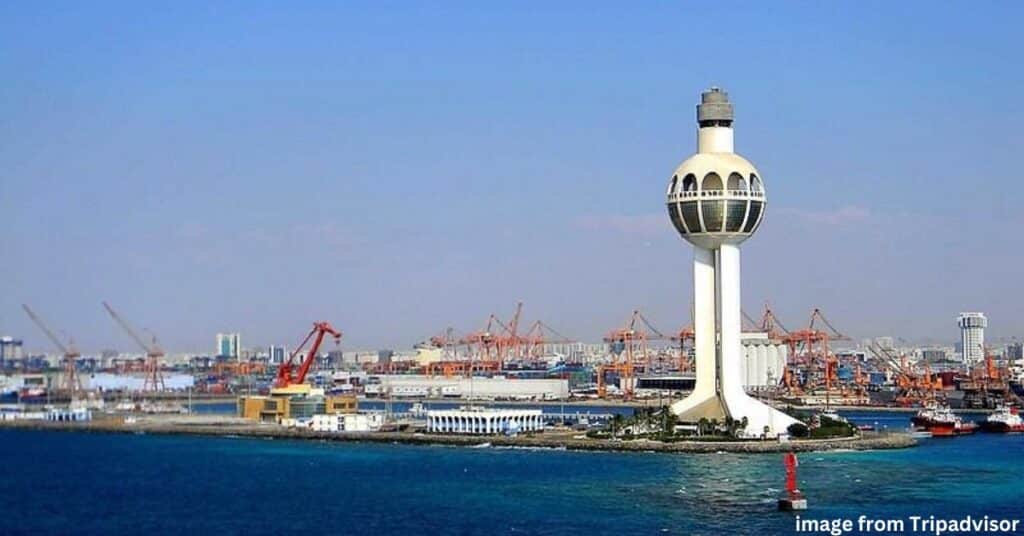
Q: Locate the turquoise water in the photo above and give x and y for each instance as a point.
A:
(61, 482)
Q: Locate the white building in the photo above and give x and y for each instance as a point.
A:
(475, 420)
(350, 422)
(276, 354)
(121, 382)
(764, 360)
(229, 345)
(972, 337)
(495, 388)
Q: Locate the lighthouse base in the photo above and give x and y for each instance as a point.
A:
(763, 421)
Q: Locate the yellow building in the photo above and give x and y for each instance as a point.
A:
(294, 402)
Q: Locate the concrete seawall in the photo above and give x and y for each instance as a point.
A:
(227, 427)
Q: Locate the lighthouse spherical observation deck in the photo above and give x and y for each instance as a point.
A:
(716, 196)
(715, 199)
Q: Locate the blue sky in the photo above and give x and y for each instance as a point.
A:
(397, 168)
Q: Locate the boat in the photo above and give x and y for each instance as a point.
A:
(941, 422)
(832, 415)
(1004, 420)
(418, 410)
(32, 394)
(8, 395)
(1018, 387)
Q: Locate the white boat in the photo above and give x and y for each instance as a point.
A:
(1004, 420)
(417, 410)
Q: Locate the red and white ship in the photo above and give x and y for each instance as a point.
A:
(941, 422)
(1004, 420)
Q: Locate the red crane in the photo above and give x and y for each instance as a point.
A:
(285, 377)
(70, 381)
(154, 376)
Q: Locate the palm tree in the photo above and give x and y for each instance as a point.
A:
(702, 426)
(668, 422)
(616, 423)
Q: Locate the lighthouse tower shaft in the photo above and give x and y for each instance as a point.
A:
(716, 216)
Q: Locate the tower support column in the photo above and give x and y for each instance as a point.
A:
(730, 348)
(704, 402)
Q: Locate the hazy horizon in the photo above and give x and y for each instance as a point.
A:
(399, 169)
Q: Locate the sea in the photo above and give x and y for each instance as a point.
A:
(55, 482)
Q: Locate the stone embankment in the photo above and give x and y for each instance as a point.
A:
(233, 427)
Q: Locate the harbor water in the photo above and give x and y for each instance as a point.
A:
(86, 483)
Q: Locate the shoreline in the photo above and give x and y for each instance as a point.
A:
(557, 440)
(210, 400)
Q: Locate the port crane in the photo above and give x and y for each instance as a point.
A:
(539, 335)
(685, 337)
(70, 381)
(512, 342)
(286, 377)
(810, 347)
(154, 375)
(631, 340)
(913, 386)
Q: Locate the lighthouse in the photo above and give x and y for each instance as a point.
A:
(716, 200)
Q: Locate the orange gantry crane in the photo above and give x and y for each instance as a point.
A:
(496, 342)
(447, 342)
(770, 324)
(684, 336)
(539, 335)
(286, 376)
(485, 345)
(629, 351)
(154, 354)
(492, 347)
(913, 387)
(810, 348)
(70, 382)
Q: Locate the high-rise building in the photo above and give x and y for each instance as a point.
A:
(1015, 351)
(716, 200)
(229, 345)
(972, 337)
(10, 349)
(276, 354)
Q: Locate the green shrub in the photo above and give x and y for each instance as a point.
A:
(798, 429)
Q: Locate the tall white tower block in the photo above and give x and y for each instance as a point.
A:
(972, 337)
(716, 200)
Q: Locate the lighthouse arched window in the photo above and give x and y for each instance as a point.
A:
(711, 182)
(755, 184)
(737, 182)
(689, 183)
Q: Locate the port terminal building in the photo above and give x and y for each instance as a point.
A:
(492, 388)
(484, 421)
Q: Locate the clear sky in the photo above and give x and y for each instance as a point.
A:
(401, 167)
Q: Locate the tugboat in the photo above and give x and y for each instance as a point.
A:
(926, 415)
(1004, 420)
(941, 422)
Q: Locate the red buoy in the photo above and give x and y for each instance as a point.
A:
(793, 499)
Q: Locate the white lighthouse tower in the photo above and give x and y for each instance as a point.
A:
(716, 200)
